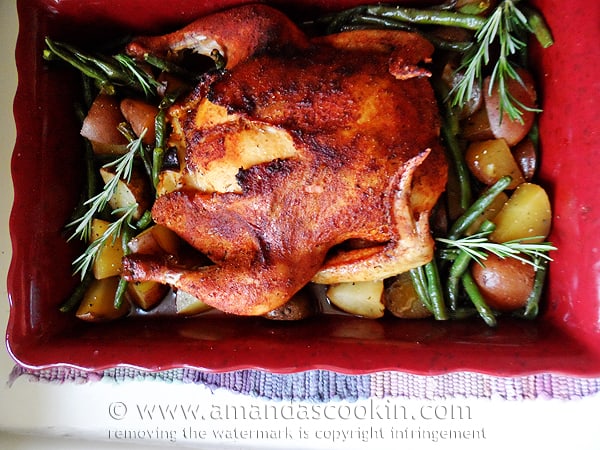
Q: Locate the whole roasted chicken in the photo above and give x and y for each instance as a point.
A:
(305, 159)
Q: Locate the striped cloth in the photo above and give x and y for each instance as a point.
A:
(325, 386)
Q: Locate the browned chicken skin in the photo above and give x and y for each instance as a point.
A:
(298, 147)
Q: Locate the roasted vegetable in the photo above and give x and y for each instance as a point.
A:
(527, 214)
(188, 305)
(101, 124)
(361, 298)
(301, 306)
(108, 260)
(402, 300)
(505, 283)
(98, 302)
(491, 160)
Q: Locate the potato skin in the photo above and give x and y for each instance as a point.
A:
(100, 126)
(492, 159)
(301, 306)
(504, 283)
(527, 214)
(402, 301)
(502, 126)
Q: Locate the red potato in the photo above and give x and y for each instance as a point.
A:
(476, 127)
(492, 159)
(526, 157)
(141, 116)
(452, 77)
(502, 127)
(100, 126)
(505, 284)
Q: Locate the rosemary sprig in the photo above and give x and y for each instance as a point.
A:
(94, 205)
(84, 262)
(505, 28)
(478, 246)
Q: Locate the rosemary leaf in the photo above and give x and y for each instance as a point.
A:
(478, 246)
(85, 261)
(505, 29)
(123, 169)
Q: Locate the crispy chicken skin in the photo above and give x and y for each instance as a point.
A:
(299, 147)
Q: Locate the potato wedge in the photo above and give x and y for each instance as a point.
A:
(108, 261)
(154, 240)
(492, 159)
(100, 126)
(361, 298)
(527, 213)
(147, 294)
(128, 193)
(402, 300)
(141, 116)
(98, 302)
(168, 181)
(188, 305)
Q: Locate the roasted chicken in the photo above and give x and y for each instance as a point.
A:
(304, 159)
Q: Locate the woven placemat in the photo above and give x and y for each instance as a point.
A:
(325, 386)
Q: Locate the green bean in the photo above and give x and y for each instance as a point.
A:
(160, 126)
(367, 21)
(475, 7)
(77, 295)
(144, 221)
(476, 209)
(428, 17)
(532, 306)
(126, 235)
(158, 152)
(477, 299)
(107, 71)
(66, 53)
(120, 293)
(362, 21)
(539, 27)
(458, 160)
(450, 129)
(218, 58)
(460, 266)
(434, 288)
(417, 275)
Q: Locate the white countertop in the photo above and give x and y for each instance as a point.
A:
(106, 415)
